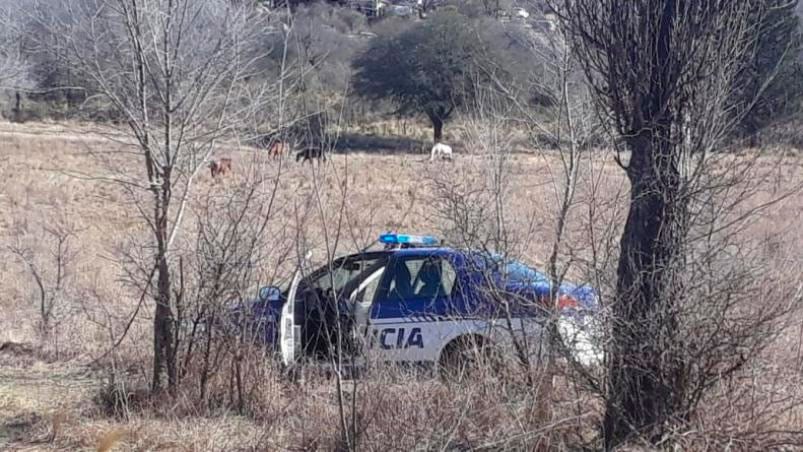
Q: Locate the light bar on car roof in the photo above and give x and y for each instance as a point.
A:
(390, 238)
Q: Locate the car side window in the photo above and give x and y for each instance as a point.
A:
(342, 272)
(419, 278)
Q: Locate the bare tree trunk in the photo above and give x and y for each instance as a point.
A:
(164, 353)
(437, 129)
(17, 110)
(437, 115)
(648, 288)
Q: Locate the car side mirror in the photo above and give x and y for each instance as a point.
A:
(270, 293)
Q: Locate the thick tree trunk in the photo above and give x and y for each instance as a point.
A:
(437, 128)
(644, 383)
(437, 115)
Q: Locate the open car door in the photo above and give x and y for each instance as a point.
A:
(317, 308)
(289, 330)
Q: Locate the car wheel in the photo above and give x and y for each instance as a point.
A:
(467, 358)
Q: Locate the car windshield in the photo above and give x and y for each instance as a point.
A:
(518, 272)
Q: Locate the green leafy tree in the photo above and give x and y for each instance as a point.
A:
(426, 68)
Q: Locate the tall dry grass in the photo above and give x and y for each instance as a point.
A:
(47, 176)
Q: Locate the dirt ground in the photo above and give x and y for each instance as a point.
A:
(52, 173)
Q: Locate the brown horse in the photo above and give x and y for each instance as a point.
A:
(220, 167)
(278, 149)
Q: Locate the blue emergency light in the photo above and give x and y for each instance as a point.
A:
(393, 239)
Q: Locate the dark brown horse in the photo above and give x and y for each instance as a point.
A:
(309, 153)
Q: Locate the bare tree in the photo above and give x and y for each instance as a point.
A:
(178, 74)
(662, 72)
(53, 276)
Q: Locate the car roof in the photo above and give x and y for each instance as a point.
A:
(403, 252)
(423, 251)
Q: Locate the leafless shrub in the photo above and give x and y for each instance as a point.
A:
(120, 397)
(241, 245)
(48, 260)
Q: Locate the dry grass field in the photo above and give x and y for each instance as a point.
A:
(53, 174)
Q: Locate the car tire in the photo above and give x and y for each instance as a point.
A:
(467, 358)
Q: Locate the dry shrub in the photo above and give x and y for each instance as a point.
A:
(118, 397)
(109, 440)
(431, 415)
(390, 408)
(395, 408)
(244, 381)
(247, 381)
(16, 354)
(757, 409)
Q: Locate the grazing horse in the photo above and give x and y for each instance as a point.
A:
(443, 150)
(278, 148)
(310, 153)
(220, 167)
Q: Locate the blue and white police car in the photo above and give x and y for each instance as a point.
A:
(415, 301)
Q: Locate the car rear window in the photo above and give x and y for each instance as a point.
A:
(505, 269)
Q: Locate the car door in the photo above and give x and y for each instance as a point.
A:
(332, 283)
(414, 310)
(289, 331)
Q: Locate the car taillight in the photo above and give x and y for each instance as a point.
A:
(567, 302)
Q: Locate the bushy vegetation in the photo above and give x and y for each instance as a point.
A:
(358, 67)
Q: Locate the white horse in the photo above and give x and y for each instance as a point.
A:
(444, 150)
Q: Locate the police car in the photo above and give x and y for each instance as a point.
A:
(414, 301)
